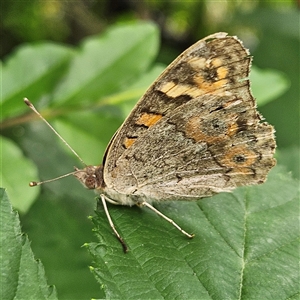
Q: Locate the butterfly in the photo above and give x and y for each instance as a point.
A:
(195, 132)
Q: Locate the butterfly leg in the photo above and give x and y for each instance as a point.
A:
(144, 203)
(103, 198)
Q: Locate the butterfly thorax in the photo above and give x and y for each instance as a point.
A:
(91, 177)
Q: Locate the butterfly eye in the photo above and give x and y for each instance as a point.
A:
(91, 182)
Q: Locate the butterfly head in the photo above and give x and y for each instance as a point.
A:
(91, 176)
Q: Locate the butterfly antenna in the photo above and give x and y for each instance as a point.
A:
(31, 106)
(35, 183)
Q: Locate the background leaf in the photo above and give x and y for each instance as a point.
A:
(246, 246)
(127, 48)
(16, 171)
(32, 71)
(22, 277)
(289, 157)
(262, 78)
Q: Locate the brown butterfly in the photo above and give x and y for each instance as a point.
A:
(195, 132)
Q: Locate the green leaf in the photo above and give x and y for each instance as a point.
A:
(267, 85)
(16, 173)
(32, 71)
(246, 246)
(58, 226)
(108, 63)
(22, 277)
(289, 157)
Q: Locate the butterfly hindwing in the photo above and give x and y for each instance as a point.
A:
(197, 152)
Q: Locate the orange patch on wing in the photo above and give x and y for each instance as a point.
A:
(217, 62)
(209, 87)
(193, 130)
(128, 142)
(167, 87)
(221, 81)
(176, 90)
(232, 129)
(222, 72)
(239, 158)
(148, 119)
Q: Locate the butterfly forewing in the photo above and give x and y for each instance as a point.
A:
(196, 130)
